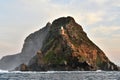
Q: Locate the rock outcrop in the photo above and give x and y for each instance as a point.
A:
(67, 47)
(31, 45)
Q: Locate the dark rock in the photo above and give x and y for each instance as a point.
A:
(22, 67)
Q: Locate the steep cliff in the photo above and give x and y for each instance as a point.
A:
(31, 45)
(67, 47)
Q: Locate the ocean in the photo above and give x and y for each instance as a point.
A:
(60, 75)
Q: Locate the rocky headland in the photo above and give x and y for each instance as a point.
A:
(67, 47)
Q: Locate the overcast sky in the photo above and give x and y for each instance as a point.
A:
(100, 20)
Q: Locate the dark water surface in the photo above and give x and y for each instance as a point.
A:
(61, 75)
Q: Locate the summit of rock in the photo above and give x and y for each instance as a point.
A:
(63, 20)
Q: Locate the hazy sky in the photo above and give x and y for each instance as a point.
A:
(100, 20)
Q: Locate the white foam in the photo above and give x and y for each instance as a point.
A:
(3, 71)
(98, 70)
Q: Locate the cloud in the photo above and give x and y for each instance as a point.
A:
(115, 3)
(92, 18)
(106, 29)
(60, 2)
(116, 36)
(99, 2)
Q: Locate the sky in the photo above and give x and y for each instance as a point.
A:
(100, 19)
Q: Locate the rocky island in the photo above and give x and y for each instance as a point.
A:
(60, 46)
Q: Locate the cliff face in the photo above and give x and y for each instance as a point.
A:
(31, 45)
(67, 47)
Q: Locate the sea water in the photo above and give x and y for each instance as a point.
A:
(60, 75)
